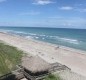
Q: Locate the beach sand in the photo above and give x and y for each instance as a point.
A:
(69, 75)
(74, 59)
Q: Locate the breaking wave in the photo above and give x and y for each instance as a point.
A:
(42, 36)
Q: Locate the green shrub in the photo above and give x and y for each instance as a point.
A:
(52, 77)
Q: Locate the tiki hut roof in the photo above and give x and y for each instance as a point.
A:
(35, 64)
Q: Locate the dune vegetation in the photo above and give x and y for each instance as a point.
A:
(9, 57)
(52, 77)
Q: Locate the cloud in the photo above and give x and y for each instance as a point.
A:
(81, 10)
(76, 8)
(67, 21)
(84, 10)
(66, 8)
(43, 2)
(55, 17)
(2, 1)
(30, 13)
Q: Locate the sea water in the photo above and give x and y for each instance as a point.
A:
(74, 38)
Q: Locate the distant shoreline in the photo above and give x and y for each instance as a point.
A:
(74, 59)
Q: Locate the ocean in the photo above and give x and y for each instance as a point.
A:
(73, 38)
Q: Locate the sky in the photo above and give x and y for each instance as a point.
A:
(43, 13)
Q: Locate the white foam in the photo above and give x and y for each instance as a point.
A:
(2, 30)
(74, 41)
(33, 34)
(20, 32)
(42, 35)
(12, 31)
(29, 37)
(36, 37)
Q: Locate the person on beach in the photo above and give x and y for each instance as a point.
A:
(56, 47)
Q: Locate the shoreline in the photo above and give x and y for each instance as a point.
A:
(60, 46)
(73, 58)
(51, 44)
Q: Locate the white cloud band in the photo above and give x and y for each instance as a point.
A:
(42, 2)
(66, 8)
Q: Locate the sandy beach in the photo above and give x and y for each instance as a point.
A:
(74, 59)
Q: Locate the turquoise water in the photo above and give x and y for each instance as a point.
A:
(74, 38)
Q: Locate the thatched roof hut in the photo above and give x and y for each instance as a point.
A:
(35, 64)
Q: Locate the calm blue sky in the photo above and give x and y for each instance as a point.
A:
(43, 13)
